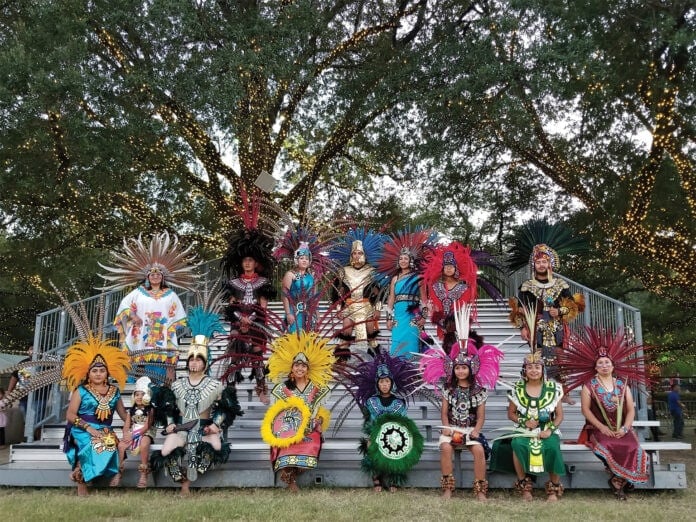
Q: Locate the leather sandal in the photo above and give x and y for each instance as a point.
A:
(617, 490)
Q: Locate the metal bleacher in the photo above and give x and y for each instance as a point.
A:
(41, 463)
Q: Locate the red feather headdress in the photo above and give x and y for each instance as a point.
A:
(577, 360)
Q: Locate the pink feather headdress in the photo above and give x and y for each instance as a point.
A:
(483, 361)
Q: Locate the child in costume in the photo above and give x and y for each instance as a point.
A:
(461, 372)
(393, 444)
(138, 432)
(294, 424)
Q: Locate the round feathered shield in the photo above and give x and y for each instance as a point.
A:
(395, 444)
(285, 422)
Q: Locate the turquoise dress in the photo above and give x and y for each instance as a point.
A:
(299, 295)
(405, 332)
(99, 456)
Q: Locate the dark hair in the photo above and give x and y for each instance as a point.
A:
(197, 356)
(454, 382)
(448, 341)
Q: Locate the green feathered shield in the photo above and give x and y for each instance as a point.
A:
(396, 444)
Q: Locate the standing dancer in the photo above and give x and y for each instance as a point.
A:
(402, 264)
(311, 265)
(552, 306)
(248, 259)
(450, 278)
(298, 289)
(356, 289)
(148, 317)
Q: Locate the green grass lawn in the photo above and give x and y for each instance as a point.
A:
(335, 505)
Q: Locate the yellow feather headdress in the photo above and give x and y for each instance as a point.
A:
(319, 355)
(81, 356)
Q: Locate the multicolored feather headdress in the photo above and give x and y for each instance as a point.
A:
(314, 349)
(164, 254)
(372, 244)
(577, 361)
(413, 244)
(301, 241)
(403, 373)
(483, 360)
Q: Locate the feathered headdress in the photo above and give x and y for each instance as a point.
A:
(577, 361)
(40, 373)
(413, 244)
(372, 244)
(483, 360)
(302, 345)
(457, 255)
(249, 240)
(301, 241)
(137, 261)
(86, 353)
(204, 321)
(403, 373)
(539, 235)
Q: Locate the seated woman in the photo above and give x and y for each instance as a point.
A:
(604, 364)
(294, 424)
(536, 409)
(90, 444)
